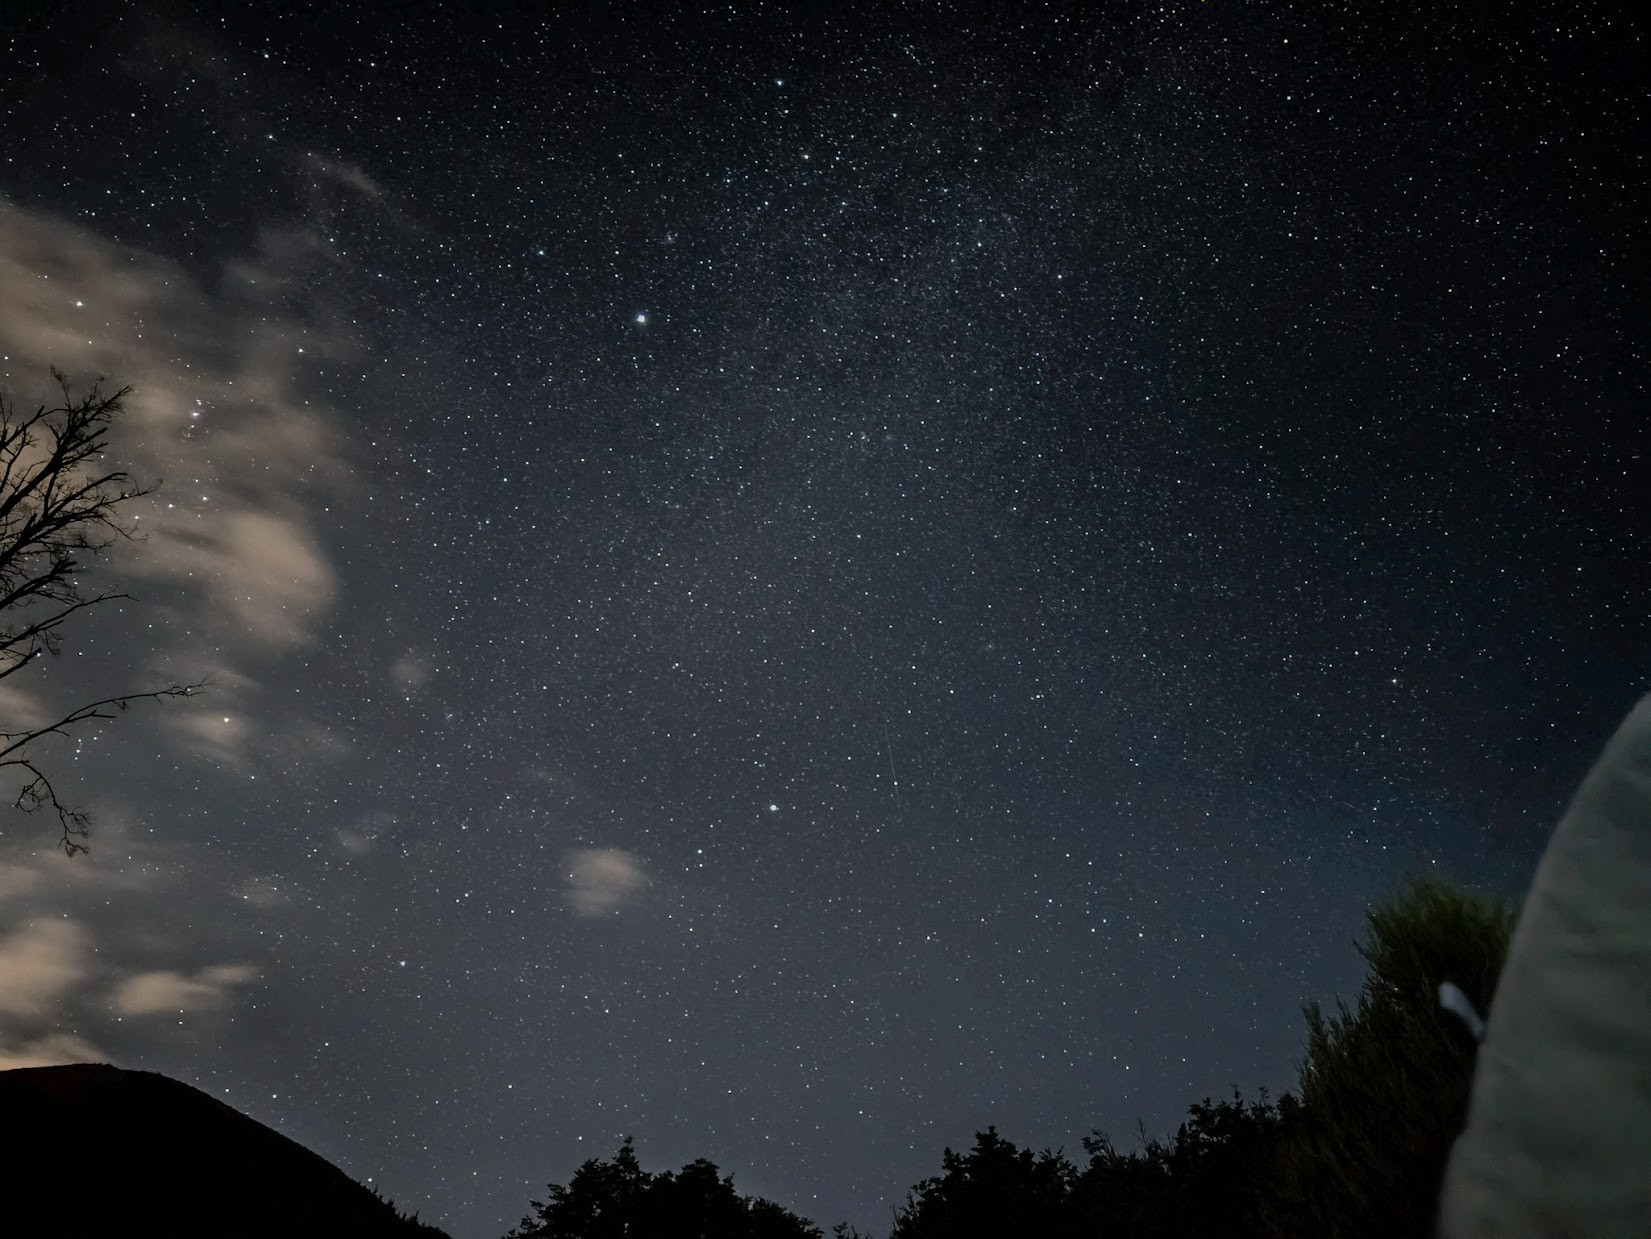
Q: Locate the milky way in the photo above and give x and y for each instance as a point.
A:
(798, 585)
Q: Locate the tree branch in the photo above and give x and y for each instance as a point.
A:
(60, 506)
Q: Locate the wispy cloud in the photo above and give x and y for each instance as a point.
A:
(171, 993)
(234, 562)
(51, 1050)
(65, 983)
(39, 964)
(372, 826)
(602, 880)
(410, 672)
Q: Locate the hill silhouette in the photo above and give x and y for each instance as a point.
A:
(94, 1149)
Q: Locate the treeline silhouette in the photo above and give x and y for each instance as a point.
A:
(1356, 1151)
(618, 1198)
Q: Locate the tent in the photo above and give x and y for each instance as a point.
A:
(1558, 1135)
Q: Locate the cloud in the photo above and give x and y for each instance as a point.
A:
(368, 830)
(44, 968)
(410, 672)
(52, 1050)
(263, 573)
(169, 993)
(601, 880)
(37, 881)
(39, 964)
(349, 175)
(264, 894)
(20, 708)
(233, 566)
(64, 979)
(17, 880)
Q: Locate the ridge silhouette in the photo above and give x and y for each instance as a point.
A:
(93, 1149)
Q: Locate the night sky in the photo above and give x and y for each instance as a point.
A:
(798, 582)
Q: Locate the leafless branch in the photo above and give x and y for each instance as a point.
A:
(60, 507)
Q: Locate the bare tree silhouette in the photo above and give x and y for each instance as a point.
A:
(60, 507)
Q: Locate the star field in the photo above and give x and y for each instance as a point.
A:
(799, 583)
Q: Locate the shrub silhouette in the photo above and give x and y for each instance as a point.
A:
(1384, 1087)
(1358, 1152)
(615, 1199)
(995, 1189)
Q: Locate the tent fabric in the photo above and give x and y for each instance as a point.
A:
(1558, 1135)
